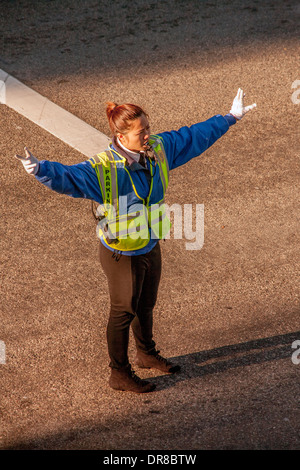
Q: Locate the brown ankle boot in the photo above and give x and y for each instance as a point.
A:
(155, 361)
(126, 380)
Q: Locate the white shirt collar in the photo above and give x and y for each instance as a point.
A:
(134, 155)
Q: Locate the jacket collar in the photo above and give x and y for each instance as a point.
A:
(130, 162)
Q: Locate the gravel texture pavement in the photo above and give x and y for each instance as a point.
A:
(228, 313)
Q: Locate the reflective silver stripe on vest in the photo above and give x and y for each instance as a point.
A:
(162, 176)
(101, 176)
(99, 161)
(113, 172)
(167, 163)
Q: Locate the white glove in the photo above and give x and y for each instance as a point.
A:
(30, 163)
(238, 110)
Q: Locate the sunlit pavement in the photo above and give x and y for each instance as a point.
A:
(229, 312)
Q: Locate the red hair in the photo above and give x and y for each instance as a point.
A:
(121, 116)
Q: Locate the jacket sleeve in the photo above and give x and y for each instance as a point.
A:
(79, 181)
(189, 142)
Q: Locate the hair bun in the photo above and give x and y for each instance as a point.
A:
(120, 117)
(110, 106)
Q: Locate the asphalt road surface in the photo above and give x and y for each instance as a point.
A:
(228, 313)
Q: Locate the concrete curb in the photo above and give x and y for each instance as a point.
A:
(57, 121)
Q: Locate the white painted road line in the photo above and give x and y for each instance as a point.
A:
(2, 353)
(54, 119)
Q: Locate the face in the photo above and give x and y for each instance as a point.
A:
(138, 135)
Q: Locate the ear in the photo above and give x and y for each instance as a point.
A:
(120, 137)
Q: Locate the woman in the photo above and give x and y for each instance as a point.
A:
(129, 182)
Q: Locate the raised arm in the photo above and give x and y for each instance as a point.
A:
(189, 142)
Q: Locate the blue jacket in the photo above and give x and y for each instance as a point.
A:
(80, 180)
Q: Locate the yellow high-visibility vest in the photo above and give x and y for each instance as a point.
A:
(142, 220)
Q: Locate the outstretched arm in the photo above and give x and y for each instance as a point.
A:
(78, 180)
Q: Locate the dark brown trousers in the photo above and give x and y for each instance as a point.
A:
(133, 285)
